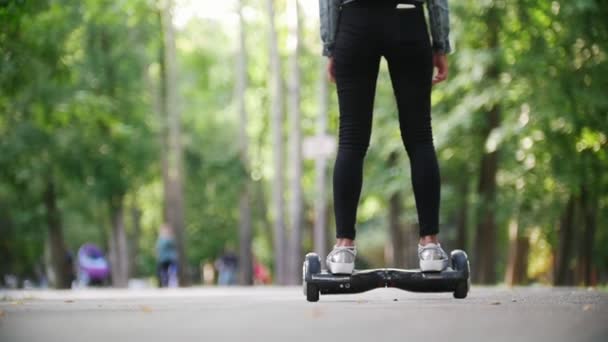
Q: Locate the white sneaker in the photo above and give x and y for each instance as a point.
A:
(432, 258)
(341, 260)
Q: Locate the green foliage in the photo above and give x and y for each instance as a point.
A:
(78, 104)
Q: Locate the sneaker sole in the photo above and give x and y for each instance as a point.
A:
(433, 265)
(340, 268)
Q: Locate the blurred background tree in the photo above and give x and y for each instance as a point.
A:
(117, 117)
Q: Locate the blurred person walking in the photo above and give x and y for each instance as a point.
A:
(227, 267)
(166, 254)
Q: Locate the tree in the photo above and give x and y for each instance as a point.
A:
(61, 269)
(520, 130)
(320, 204)
(295, 141)
(276, 97)
(34, 81)
(245, 224)
(112, 115)
(485, 239)
(396, 234)
(173, 174)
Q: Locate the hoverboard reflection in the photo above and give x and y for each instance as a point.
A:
(454, 279)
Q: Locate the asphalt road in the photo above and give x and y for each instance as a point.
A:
(282, 314)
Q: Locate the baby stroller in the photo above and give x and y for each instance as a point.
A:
(93, 267)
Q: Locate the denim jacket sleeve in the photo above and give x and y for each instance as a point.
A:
(439, 17)
(328, 11)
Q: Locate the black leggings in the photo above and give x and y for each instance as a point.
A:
(369, 29)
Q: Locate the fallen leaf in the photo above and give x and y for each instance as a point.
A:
(2, 313)
(145, 308)
(316, 313)
(587, 307)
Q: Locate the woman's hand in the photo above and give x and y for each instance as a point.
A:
(440, 61)
(330, 70)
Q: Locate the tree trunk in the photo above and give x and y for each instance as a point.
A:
(563, 274)
(119, 254)
(485, 241)
(295, 137)
(61, 271)
(173, 196)
(7, 249)
(276, 98)
(520, 276)
(261, 201)
(245, 230)
(589, 206)
(320, 226)
(410, 247)
(161, 108)
(461, 218)
(517, 263)
(134, 239)
(395, 257)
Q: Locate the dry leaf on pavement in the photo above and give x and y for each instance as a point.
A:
(145, 308)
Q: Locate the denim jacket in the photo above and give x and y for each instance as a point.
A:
(438, 16)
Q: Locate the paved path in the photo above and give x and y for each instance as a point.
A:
(282, 314)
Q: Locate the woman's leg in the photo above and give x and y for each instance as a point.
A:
(356, 63)
(409, 58)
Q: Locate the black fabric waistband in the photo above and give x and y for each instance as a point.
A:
(379, 3)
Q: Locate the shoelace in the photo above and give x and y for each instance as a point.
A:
(350, 249)
(432, 246)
